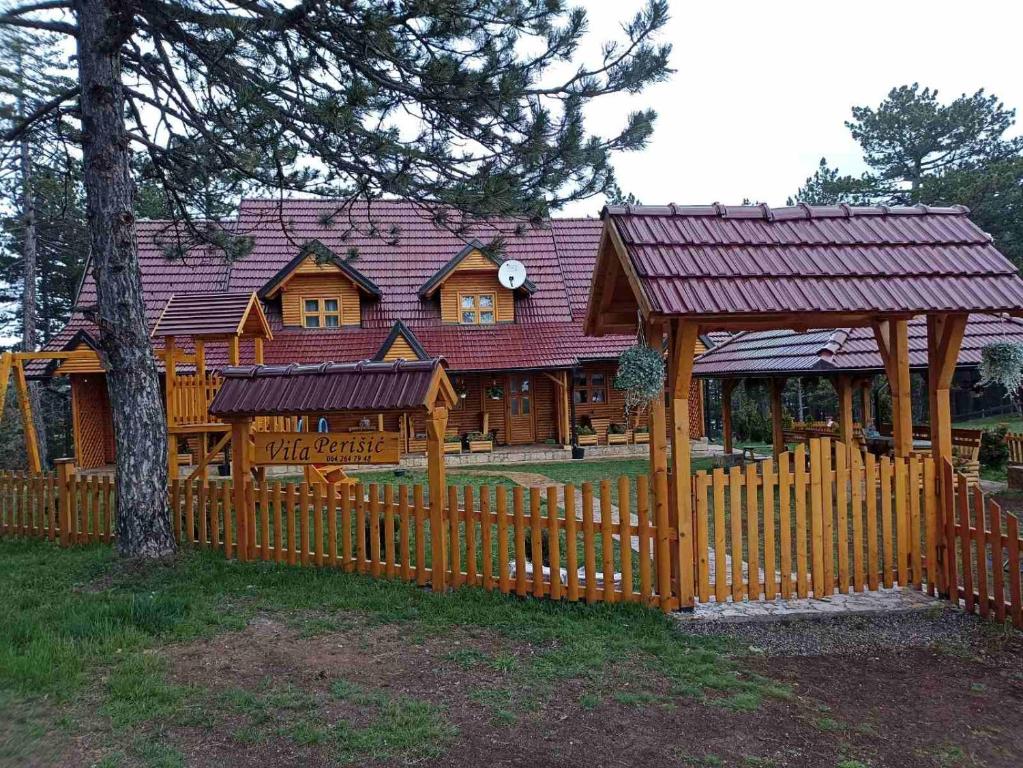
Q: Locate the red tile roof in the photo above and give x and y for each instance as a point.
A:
(295, 390)
(203, 314)
(721, 260)
(783, 352)
(397, 247)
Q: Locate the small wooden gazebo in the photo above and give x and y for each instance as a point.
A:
(674, 272)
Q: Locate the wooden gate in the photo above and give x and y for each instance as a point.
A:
(819, 520)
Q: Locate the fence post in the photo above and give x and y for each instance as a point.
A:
(65, 476)
(436, 425)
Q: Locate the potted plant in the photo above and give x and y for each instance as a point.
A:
(495, 392)
(617, 434)
(585, 435)
(480, 442)
(452, 444)
(641, 435)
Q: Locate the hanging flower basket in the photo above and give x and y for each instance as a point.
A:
(495, 392)
(640, 376)
(1002, 363)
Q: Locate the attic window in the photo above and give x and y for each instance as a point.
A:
(476, 308)
(321, 312)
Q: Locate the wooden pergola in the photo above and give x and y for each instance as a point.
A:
(674, 272)
(847, 357)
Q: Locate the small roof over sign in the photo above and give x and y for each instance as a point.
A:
(294, 390)
(212, 315)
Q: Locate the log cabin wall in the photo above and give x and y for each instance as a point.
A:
(328, 282)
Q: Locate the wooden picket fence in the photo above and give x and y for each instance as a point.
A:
(817, 521)
(512, 540)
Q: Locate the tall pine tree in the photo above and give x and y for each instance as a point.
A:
(471, 105)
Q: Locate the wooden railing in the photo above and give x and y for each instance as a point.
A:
(1014, 441)
(190, 399)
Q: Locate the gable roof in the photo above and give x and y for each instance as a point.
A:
(323, 255)
(442, 274)
(728, 262)
(254, 390)
(833, 350)
(402, 330)
(212, 314)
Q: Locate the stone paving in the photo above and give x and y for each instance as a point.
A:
(865, 603)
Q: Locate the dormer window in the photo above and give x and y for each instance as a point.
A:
(321, 312)
(476, 308)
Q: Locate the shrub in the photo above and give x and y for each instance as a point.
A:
(617, 429)
(994, 453)
(641, 376)
(476, 436)
(583, 429)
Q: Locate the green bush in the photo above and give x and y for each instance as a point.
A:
(994, 453)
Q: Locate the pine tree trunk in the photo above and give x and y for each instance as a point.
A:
(28, 298)
(143, 522)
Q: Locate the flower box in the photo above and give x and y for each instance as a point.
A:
(481, 446)
(640, 437)
(586, 439)
(617, 438)
(452, 447)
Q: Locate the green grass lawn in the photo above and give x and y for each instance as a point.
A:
(87, 645)
(1011, 420)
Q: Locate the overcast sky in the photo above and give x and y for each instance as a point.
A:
(761, 90)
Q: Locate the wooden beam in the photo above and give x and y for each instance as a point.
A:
(436, 426)
(727, 388)
(566, 410)
(777, 417)
(233, 353)
(200, 357)
(257, 343)
(170, 376)
(241, 478)
(866, 401)
(682, 346)
(6, 360)
(898, 365)
(205, 459)
(35, 463)
(658, 448)
(944, 339)
(844, 389)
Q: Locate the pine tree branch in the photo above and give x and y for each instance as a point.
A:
(38, 114)
(14, 19)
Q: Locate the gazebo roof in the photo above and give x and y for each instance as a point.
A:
(294, 390)
(835, 350)
(211, 315)
(783, 267)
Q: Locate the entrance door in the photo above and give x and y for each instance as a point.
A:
(520, 410)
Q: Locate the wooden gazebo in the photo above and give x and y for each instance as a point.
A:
(847, 357)
(674, 272)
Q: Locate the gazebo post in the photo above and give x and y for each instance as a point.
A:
(866, 405)
(892, 338)
(727, 388)
(844, 389)
(241, 467)
(436, 426)
(682, 339)
(777, 417)
(654, 333)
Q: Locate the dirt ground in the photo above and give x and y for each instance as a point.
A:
(264, 695)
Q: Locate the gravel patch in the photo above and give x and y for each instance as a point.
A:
(942, 627)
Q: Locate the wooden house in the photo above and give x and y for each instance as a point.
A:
(382, 281)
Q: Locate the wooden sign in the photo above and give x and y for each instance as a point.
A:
(326, 448)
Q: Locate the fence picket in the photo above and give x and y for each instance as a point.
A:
(404, 540)
(420, 513)
(501, 499)
(800, 496)
(888, 541)
(643, 523)
(871, 489)
(625, 536)
(817, 518)
(571, 551)
(720, 538)
(842, 514)
(914, 490)
(902, 515)
(486, 538)
(752, 533)
(519, 536)
(770, 570)
(536, 542)
(1015, 588)
(607, 541)
(997, 569)
(702, 539)
(589, 551)
(361, 554)
(389, 562)
(735, 496)
(980, 540)
(857, 480)
(470, 536)
(931, 528)
(554, 542)
(827, 519)
(453, 540)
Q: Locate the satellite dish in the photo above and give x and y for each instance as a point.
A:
(512, 274)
